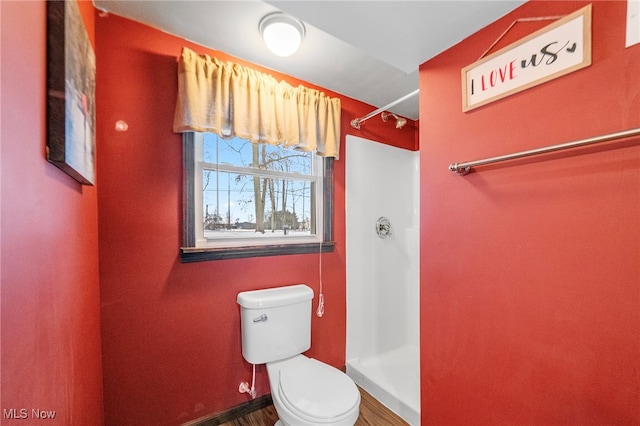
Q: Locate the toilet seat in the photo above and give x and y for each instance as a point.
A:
(317, 392)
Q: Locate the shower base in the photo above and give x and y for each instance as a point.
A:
(393, 378)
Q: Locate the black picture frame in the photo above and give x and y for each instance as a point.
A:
(71, 81)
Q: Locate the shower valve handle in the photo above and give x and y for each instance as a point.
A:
(383, 227)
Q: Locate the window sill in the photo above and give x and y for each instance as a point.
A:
(195, 254)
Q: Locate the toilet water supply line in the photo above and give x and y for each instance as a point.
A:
(244, 386)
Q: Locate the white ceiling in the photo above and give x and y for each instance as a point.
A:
(367, 50)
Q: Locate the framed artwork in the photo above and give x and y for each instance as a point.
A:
(633, 22)
(71, 82)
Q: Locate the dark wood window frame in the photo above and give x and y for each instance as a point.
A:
(190, 253)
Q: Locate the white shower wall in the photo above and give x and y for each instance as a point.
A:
(383, 274)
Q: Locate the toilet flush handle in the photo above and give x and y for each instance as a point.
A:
(261, 318)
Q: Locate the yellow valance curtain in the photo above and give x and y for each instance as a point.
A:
(233, 100)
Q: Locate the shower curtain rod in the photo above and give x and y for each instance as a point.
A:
(355, 123)
(463, 169)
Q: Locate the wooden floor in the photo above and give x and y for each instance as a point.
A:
(372, 413)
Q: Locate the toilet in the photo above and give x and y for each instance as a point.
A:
(276, 330)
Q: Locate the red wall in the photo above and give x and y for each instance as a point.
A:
(51, 355)
(530, 270)
(171, 331)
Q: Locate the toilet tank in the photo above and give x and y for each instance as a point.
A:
(275, 322)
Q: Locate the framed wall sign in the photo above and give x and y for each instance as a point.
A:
(553, 51)
(71, 81)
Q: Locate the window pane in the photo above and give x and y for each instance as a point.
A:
(240, 152)
(220, 197)
(239, 205)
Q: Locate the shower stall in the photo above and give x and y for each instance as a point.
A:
(383, 294)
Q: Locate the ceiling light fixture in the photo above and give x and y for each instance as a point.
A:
(282, 33)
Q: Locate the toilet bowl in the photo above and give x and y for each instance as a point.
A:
(276, 330)
(308, 392)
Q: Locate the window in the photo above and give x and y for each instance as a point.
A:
(245, 199)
